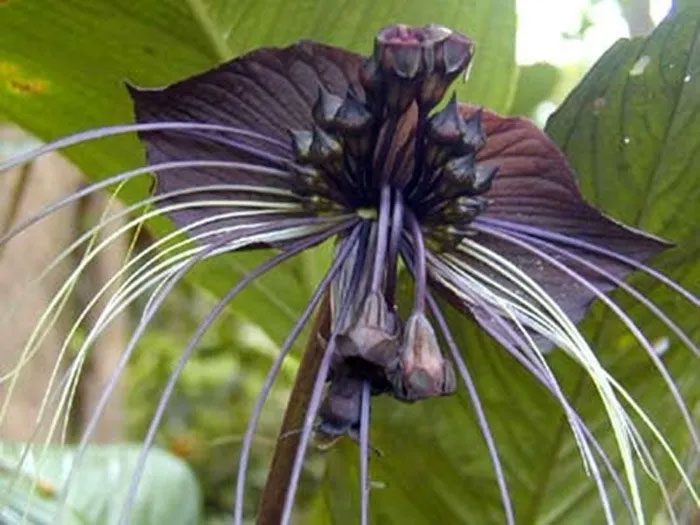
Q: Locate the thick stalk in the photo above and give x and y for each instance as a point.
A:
(272, 501)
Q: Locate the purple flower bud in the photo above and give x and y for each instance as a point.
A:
(422, 370)
(374, 335)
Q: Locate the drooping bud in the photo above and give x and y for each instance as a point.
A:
(326, 108)
(301, 144)
(483, 178)
(340, 412)
(374, 335)
(422, 371)
(473, 132)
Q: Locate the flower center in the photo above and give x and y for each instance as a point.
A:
(386, 136)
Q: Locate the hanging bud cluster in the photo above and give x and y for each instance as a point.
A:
(374, 345)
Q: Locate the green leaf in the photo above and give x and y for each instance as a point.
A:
(630, 128)
(536, 83)
(168, 492)
(435, 466)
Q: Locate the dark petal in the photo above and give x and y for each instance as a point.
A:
(265, 93)
(535, 186)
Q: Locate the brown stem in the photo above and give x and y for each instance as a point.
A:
(272, 501)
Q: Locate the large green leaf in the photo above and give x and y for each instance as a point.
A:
(435, 466)
(168, 492)
(71, 78)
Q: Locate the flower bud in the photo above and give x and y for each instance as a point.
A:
(422, 372)
(416, 63)
(301, 144)
(473, 136)
(325, 108)
(459, 172)
(374, 336)
(340, 412)
(447, 125)
(352, 116)
(483, 178)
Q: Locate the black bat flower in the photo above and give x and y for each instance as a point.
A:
(287, 148)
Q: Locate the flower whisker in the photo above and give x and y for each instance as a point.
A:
(579, 243)
(121, 129)
(633, 328)
(478, 409)
(664, 318)
(321, 290)
(364, 452)
(346, 302)
(291, 250)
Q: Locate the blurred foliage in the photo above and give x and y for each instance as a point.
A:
(536, 84)
(168, 491)
(208, 413)
(434, 467)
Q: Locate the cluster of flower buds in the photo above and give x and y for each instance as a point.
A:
(404, 362)
(414, 63)
(451, 146)
(335, 150)
(457, 181)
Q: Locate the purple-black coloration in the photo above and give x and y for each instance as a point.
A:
(361, 137)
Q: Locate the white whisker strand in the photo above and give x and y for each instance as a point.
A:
(364, 452)
(541, 371)
(633, 328)
(663, 317)
(36, 339)
(478, 409)
(106, 317)
(315, 400)
(273, 262)
(268, 233)
(121, 129)
(577, 348)
(528, 313)
(481, 296)
(147, 170)
(90, 255)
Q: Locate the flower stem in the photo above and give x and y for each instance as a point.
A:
(272, 501)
